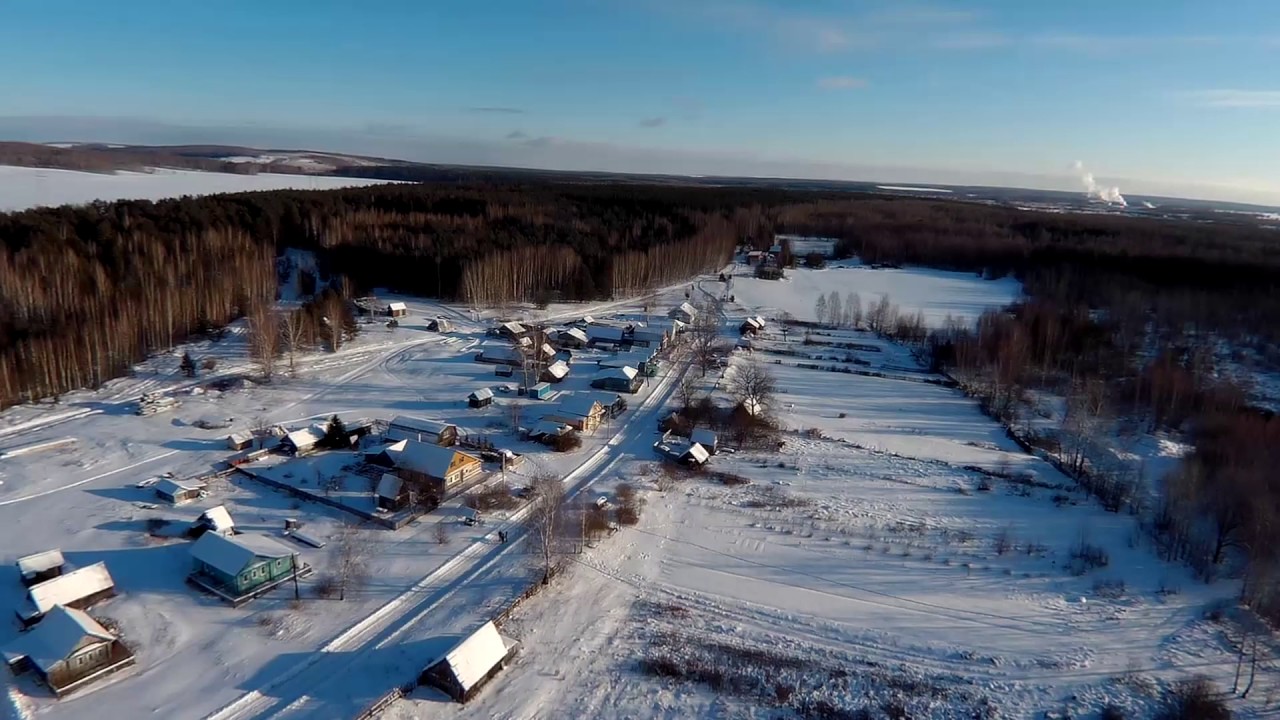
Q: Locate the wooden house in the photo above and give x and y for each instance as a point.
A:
(301, 442)
(79, 589)
(178, 492)
(649, 337)
(684, 312)
(614, 403)
(480, 398)
(435, 469)
(241, 440)
(500, 355)
(512, 330)
(237, 565)
(397, 310)
(467, 666)
(404, 427)
(555, 372)
(572, 338)
(67, 651)
(215, 520)
(619, 379)
(605, 335)
(752, 326)
(580, 412)
(694, 456)
(35, 569)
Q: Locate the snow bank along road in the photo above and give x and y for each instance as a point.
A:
(291, 690)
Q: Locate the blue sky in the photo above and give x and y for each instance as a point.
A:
(1157, 96)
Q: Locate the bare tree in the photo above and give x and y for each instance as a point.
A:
(515, 413)
(442, 533)
(261, 428)
(752, 384)
(294, 333)
(706, 344)
(820, 309)
(334, 309)
(835, 311)
(264, 340)
(688, 389)
(349, 561)
(546, 519)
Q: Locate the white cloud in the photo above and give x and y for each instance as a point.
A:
(841, 82)
(1228, 98)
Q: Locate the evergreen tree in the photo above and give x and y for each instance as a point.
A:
(188, 366)
(335, 435)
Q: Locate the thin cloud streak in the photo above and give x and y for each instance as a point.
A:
(841, 82)
(653, 122)
(1230, 98)
(497, 110)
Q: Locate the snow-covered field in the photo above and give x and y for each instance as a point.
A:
(937, 293)
(24, 187)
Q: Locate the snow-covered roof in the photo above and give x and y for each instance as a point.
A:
(627, 373)
(752, 407)
(217, 519)
(558, 369)
(574, 333)
(481, 394)
(697, 452)
(169, 486)
(397, 306)
(499, 352)
(389, 486)
(754, 322)
(541, 386)
(607, 333)
(62, 631)
(684, 309)
(548, 427)
(231, 554)
(578, 406)
(547, 350)
(472, 659)
(635, 358)
(430, 460)
(604, 398)
(66, 589)
(513, 327)
(304, 438)
(703, 436)
(418, 425)
(37, 563)
(648, 333)
(242, 437)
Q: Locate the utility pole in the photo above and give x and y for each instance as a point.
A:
(297, 595)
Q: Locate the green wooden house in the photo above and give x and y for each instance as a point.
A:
(239, 564)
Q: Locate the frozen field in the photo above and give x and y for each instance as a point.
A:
(937, 293)
(23, 187)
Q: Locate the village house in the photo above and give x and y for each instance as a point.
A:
(618, 379)
(684, 312)
(614, 403)
(605, 335)
(178, 492)
(752, 326)
(580, 412)
(694, 456)
(437, 470)
(547, 431)
(572, 338)
(706, 438)
(649, 337)
(640, 359)
(35, 569)
(480, 398)
(439, 325)
(78, 589)
(555, 372)
(404, 427)
(397, 309)
(470, 664)
(301, 442)
(237, 567)
(67, 650)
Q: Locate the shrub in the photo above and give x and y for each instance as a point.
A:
(1111, 712)
(566, 443)
(1194, 699)
(327, 586)
(1086, 556)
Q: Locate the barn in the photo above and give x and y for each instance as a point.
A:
(392, 492)
(178, 491)
(78, 589)
(480, 398)
(470, 664)
(405, 427)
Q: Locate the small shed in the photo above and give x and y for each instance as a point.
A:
(512, 330)
(393, 493)
(684, 312)
(68, 650)
(40, 566)
(239, 440)
(470, 664)
(404, 427)
(301, 442)
(695, 455)
(555, 372)
(397, 309)
(541, 391)
(178, 491)
(621, 379)
(480, 398)
(215, 520)
(706, 438)
(751, 326)
(439, 325)
(77, 589)
(572, 338)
